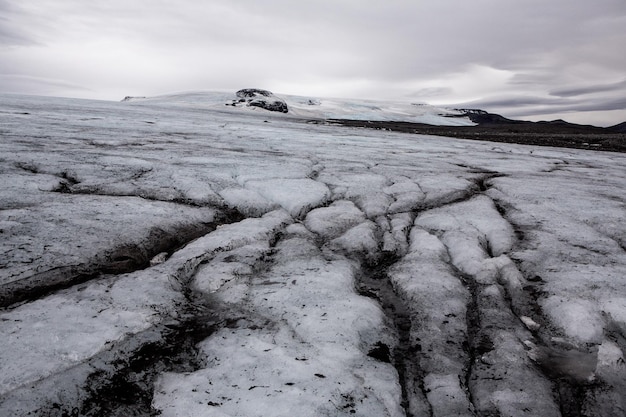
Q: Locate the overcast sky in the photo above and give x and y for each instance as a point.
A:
(531, 59)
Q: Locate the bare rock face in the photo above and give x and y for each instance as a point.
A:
(254, 97)
(253, 93)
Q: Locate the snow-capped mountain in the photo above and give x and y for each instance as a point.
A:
(320, 108)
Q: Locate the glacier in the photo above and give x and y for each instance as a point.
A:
(175, 256)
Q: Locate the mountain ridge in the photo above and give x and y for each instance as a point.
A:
(364, 109)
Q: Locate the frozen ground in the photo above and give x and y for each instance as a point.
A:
(165, 257)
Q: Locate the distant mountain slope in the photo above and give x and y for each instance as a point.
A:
(484, 118)
(620, 128)
(322, 108)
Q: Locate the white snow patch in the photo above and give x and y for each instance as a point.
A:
(611, 362)
(407, 194)
(446, 396)
(228, 266)
(334, 220)
(530, 323)
(579, 319)
(231, 236)
(360, 239)
(248, 202)
(296, 195)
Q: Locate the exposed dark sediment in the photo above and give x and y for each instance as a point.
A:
(536, 134)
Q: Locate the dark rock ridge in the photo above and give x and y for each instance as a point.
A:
(253, 93)
(471, 111)
(254, 97)
(620, 128)
(483, 118)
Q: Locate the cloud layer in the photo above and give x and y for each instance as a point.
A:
(524, 59)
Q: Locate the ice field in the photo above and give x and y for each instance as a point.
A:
(182, 257)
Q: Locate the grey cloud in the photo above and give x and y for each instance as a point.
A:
(588, 89)
(10, 37)
(11, 32)
(430, 92)
(515, 101)
(528, 106)
(15, 83)
(604, 105)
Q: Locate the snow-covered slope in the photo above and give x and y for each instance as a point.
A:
(325, 108)
(168, 256)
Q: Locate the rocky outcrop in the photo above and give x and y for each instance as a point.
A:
(132, 98)
(254, 97)
(253, 93)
